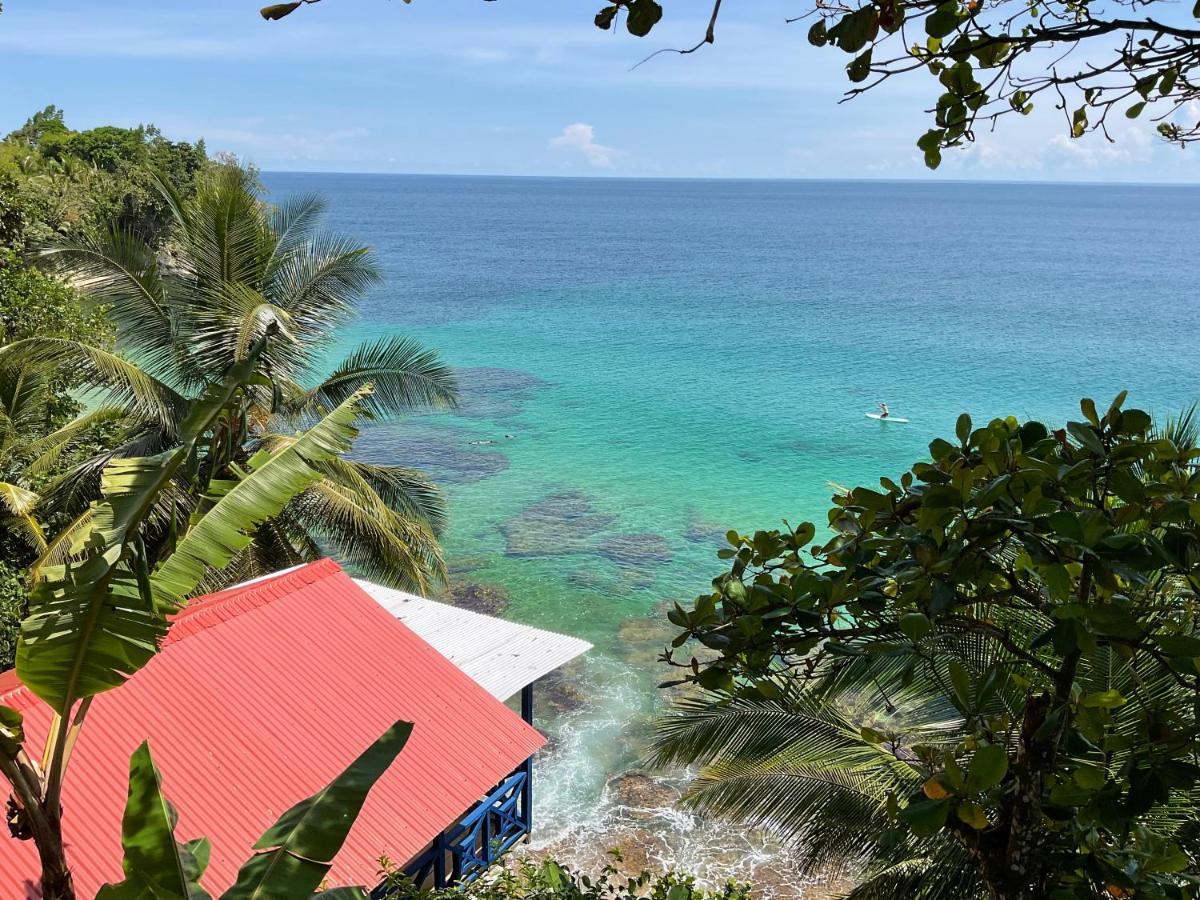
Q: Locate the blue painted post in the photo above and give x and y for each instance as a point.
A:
(527, 703)
(527, 766)
(527, 795)
(439, 861)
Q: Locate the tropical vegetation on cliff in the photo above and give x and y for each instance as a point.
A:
(163, 432)
(236, 271)
(133, 269)
(1020, 613)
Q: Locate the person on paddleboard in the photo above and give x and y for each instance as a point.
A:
(883, 411)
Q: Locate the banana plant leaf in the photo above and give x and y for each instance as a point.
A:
(298, 850)
(274, 478)
(89, 625)
(157, 867)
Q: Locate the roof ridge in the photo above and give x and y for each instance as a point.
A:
(213, 609)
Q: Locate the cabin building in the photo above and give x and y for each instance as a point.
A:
(264, 692)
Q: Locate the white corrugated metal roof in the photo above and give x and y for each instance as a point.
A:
(500, 655)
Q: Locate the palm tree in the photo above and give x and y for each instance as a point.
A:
(30, 447)
(809, 767)
(237, 271)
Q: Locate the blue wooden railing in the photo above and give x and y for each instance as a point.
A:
(466, 849)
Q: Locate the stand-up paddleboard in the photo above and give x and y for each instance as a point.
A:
(878, 418)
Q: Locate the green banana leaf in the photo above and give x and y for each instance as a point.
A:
(157, 867)
(89, 626)
(274, 479)
(300, 847)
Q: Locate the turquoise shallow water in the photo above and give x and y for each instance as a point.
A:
(668, 359)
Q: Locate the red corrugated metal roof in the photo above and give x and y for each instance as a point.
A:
(262, 694)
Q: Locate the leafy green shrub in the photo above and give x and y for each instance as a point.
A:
(525, 879)
(12, 610)
(1024, 608)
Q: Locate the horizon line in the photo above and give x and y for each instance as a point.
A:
(741, 178)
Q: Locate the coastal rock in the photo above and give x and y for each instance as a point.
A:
(441, 452)
(589, 580)
(637, 551)
(647, 630)
(640, 791)
(489, 599)
(461, 565)
(705, 531)
(557, 524)
(494, 393)
(560, 692)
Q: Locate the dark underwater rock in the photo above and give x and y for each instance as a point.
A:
(489, 599)
(637, 551)
(557, 524)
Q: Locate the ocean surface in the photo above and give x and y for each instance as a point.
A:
(648, 363)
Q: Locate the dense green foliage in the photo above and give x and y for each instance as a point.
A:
(100, 617)
(59, 182)
(56, 182)
(1023, 606)
(524, 879)
(989, 60)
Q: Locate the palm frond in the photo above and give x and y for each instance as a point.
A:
(406, 377)
(274, 479)
(24, 397)
(17, 500)
(359, 529)
(111, 379)
(120, 270)
(58, 548)
(947, 875)
(1183, 430)
(408, 493)
(292, 223)
(318, 282)
(47, 451)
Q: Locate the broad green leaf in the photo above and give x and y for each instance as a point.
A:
(300, 847)
(988, 767)
(89, 626)
(12, 730)
(274, 479)
(855, 29)
(915, 625)
(1090, 778)
(604, 18)
(860, 67)
(926, 817)
(642, 16)
(277, 11)
(1179, 644)
(972, 814)
(962, 428)
(1109, 699)
(960, 681)
(157, 867)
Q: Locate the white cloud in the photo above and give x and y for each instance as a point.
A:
(581, 138)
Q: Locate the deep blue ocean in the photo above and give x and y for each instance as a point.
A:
(651, 362)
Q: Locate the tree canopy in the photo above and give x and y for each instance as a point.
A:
(1018, 614)
(992, 58)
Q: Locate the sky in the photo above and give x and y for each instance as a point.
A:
(516, 87)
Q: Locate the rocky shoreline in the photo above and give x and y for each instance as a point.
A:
(638, 822)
